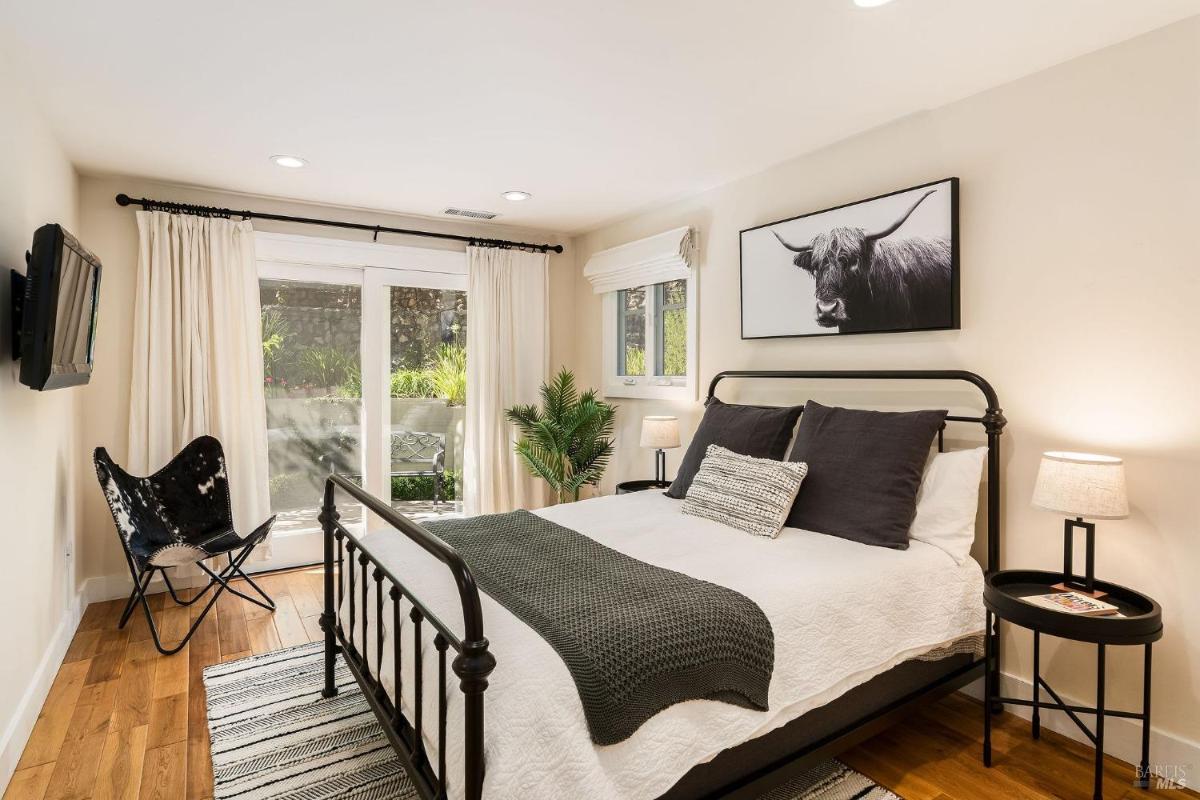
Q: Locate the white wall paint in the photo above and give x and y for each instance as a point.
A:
(1080, 194)
(110, 231)
(39, 438)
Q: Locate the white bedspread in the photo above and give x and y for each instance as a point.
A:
(842, 612)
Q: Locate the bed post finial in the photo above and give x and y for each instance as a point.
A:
(994, 421)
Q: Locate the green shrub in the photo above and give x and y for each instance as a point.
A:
(351, 387)
(412, 383)
(326, 367)
(635, 361)
(449, 374)
(420, 487)
(274, 331)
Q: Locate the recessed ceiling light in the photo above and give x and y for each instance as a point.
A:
(871, 3)
(516, 195)
(291, 162)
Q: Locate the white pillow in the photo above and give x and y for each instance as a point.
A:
(948, 501)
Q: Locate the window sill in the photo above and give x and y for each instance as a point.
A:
(645, 391)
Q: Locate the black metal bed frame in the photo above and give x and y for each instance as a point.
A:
(473, 663)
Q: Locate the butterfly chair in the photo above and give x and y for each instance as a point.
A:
(180, 515)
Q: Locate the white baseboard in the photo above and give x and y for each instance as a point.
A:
(1172, 754)
(17, 732)
(118, 587)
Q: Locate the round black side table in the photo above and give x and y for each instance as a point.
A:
(641, 486)
(1138, 622)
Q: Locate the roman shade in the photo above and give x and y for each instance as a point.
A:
(668, 256)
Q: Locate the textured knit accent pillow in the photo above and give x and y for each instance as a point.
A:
(759, 431)
(743, 492)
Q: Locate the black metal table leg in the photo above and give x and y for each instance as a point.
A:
(1098, 792)
(1037, 680)
(1143, 776)
(987, 690)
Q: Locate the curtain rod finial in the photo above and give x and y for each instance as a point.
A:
(123, 199)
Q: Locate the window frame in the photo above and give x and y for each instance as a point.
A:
(665, 387)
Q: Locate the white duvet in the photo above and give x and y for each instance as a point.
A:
(841, 612)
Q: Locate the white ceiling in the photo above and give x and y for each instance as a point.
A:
(597, 108)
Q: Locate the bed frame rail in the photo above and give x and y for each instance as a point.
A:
(349, 571)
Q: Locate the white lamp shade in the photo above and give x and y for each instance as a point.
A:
(1082, 485)
(661, 433)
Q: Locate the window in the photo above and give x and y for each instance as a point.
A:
(649, 340)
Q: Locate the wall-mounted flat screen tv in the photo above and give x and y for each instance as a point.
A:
(55, 309)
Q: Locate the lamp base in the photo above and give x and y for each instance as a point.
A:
(1070, 579)
(660, 465)
(1063, 586)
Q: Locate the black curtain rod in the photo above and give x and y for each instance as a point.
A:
(213, 211)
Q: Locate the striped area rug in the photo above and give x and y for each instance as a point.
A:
(275, 738)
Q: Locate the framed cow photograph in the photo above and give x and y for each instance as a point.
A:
(882, 265)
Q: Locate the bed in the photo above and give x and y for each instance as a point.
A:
(862, 634)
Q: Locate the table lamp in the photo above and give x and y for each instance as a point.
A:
(1081, 485)
(661, 433)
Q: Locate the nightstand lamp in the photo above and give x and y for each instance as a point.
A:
(661, 433)
(1081, 485)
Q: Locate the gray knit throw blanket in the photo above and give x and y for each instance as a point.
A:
(635, 637)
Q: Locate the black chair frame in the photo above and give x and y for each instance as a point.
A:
(219, 579)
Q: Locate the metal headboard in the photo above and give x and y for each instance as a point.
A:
(992, 420)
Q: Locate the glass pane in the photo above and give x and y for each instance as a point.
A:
(428, 396)
(313, 385)
(672, 328)
(631, 330)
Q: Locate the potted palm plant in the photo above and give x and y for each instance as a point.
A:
(568, 441)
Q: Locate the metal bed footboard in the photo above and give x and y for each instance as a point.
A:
(349, 572)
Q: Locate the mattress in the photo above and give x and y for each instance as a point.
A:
(842, 613)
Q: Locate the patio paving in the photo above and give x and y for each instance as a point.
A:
(304, 520)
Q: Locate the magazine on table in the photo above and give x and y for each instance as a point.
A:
(1074, 603)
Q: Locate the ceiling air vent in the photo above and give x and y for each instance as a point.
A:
(466, 212)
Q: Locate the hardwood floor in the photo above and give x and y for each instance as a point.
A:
(121, 721)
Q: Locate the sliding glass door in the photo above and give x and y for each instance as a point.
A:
(312, 380)
(427, 389)
(364, 374)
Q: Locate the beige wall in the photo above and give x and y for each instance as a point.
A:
(111, 232)
(1080, 195)
(39, 432)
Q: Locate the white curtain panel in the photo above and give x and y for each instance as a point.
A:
(197, 353)
(508, 358)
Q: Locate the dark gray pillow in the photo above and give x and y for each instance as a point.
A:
(864, 470)
(758, 431)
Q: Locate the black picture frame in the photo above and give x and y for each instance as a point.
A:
(950, 319)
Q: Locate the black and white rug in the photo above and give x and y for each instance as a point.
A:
(275, 738)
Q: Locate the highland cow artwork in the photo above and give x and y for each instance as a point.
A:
(887, 264)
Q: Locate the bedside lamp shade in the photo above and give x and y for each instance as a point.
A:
(661, 433)
(1082, 485)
